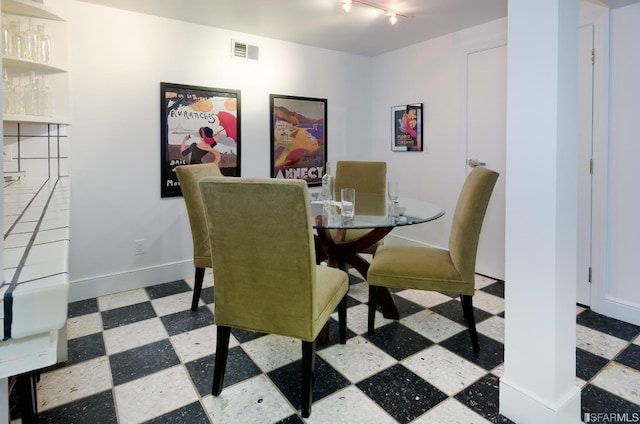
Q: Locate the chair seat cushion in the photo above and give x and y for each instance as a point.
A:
(423, 268)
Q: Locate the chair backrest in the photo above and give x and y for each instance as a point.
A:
(189, 176)
(467, 220)
(264, 267)
(366, 177)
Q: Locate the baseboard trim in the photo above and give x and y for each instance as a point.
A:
(617, 308)
(129, 280)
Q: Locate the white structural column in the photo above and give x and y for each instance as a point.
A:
(538, 385)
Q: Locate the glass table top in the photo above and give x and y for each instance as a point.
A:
(372, 211)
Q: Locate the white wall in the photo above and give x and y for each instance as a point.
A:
(433, 73)
(115, 75)
(117, 61)
(620, 295)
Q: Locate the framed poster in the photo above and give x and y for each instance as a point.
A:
(406, 128)
(298, 138)
(198, 125)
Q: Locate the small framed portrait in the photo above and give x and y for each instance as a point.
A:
(406, 128)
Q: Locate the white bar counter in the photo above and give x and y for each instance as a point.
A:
(34, 293)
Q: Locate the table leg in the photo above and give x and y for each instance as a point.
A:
(340, 252)
(387, 304)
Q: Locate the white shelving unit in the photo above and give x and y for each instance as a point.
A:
(56, 70)
(37, 145)
(39, 346)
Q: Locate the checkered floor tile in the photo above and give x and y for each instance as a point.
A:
(143, 356)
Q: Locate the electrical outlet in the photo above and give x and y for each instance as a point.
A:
(138, 247)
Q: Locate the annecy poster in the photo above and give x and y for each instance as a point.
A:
(298, 138)
(199, 125)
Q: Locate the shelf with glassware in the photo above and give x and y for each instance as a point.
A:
(31, 96)
(35, 78)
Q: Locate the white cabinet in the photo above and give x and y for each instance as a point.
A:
(26, 14)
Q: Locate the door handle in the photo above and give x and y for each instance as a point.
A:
(473, 162)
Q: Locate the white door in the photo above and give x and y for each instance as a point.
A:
(585, 150)
(486, 141)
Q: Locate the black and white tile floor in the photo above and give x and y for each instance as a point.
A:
(143, 356)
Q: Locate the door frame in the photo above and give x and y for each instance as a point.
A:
(585, 174)
(598, 16)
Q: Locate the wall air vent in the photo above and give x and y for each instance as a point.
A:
(240, 50)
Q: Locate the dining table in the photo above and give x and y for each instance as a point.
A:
(375, 217)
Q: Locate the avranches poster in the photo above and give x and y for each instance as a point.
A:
(199, 125)
(298, 138)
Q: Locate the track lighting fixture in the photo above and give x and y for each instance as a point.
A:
(392, 14)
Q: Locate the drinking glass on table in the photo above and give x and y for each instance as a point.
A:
(394, 202)
(348, 202)
(392, 191)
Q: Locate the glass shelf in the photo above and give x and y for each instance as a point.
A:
(31, 65)
(29, 8)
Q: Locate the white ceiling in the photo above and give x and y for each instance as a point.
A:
(322, 23)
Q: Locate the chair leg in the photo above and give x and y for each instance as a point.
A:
(308, 365)
(342, 320)
(373, 304)
(197, 288)
(26, 384)
(222, 349)
(467, 307)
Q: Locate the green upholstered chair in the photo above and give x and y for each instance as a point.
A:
(265, 275)
(428, 268)
(366, 177)
(189, 176)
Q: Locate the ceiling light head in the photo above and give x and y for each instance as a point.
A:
(393, 15)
